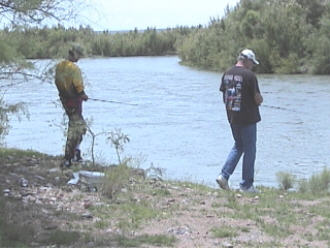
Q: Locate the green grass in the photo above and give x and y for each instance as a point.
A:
(323, 230)
(116, 177)
(196, 187)
(224, 232)
(271, 244)
(101, 224)
(232, 201)
(275, 230)
(59, 237)
(286, 180)
(17, 153)
(317, 185)
(155, 240)
(269, 205)
(321, 209)
(320, 183)
(12, 234)
(128, 215)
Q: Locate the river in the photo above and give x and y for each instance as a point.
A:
(179, 122)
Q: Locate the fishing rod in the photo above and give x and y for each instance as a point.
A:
(281, 108)
(111, 101)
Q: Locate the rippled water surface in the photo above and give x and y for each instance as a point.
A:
(179, 123)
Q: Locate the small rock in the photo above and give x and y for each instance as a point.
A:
(24, 183)
(29, 198)
(50, 227)
(44, 188)
(238, 195)
(124, 190)
(54, 170)
(6, 191)
(25, 193)
(184, 230)
(87, 215)
(10, 157)
(227, 245)
(256, 197)
(40, 177)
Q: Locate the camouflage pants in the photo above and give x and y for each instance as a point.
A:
(76, 129)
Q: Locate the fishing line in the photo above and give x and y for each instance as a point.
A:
(111, 101)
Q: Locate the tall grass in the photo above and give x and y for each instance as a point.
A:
(116, 177)
(316, 184)
(286, 180)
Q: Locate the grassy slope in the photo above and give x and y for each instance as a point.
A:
(149, 213)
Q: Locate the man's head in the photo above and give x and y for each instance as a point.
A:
(75, 52)
(248, 58)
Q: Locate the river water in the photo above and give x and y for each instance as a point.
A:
(179, 122)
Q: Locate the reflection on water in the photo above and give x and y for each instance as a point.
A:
(179, 123)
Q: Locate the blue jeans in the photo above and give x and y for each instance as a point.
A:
(245, 137)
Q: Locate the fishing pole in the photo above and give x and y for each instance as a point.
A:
(281, 108)
(111, 101)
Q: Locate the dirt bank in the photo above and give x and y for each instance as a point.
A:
(39, 209)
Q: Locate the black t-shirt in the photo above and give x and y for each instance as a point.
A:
(239, 86)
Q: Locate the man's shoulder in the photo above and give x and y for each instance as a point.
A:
(68, 65)
(245, 73)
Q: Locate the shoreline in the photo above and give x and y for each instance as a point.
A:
(139, 211)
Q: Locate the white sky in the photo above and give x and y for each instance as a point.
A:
(127, 14)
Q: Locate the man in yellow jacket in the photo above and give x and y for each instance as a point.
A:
(70, 86)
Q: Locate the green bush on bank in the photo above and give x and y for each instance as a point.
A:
(318, 184)
(287, 36)
(41, 43)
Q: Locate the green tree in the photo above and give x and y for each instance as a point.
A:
(17, 16)
(319, 47)
(289, 36)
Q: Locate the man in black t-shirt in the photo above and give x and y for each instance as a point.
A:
(242, 98)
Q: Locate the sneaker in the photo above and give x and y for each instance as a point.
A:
(251, 189)
(223, 182)
(77, 156)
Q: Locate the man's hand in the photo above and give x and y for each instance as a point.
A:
(258, 99)
(84, 97)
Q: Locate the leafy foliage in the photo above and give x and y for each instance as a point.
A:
(39, 43)
(287, 36)
(34, 11)
(5, 110)
(15, 16)
(286, 180)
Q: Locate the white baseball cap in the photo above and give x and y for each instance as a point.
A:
(249, 54)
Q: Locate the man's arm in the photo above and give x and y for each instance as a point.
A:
(258, 98)
(78, 84)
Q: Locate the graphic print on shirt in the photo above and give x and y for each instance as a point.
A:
(233, 92)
